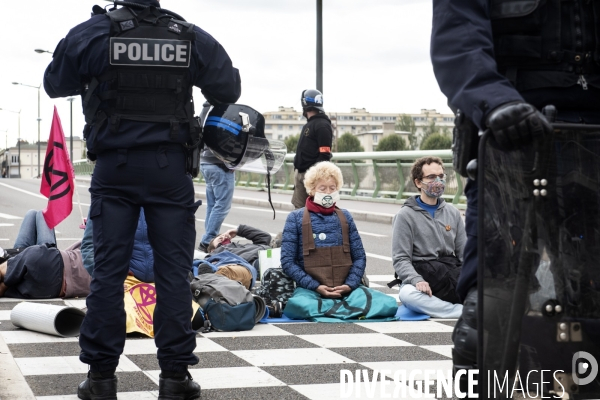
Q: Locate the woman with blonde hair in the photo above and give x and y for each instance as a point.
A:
(321, 249)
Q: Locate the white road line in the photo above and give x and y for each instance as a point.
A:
(75, 239)
(33, 194)
(223, 224)
(7, 224)
(5, 240)
(8, 216)
(232, 226)
(24, 191)
(262, 210)
(371, 234)
(378, 256)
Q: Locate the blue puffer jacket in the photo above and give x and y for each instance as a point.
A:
(292, 260)
(225, 258)
(142, 258)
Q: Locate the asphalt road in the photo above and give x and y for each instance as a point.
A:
(19, 195)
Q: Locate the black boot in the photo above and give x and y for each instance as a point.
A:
(178, 388)
(95, 387)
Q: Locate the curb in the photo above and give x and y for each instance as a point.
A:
(358, 215)
(14, 386)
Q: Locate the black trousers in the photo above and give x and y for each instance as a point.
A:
(124, 180)
(468, 272)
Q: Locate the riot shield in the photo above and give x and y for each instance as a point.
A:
(539, 266)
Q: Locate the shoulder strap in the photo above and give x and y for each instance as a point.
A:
(308, 242)
(345, 230)
(121, 19)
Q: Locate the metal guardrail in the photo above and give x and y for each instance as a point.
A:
(83, 167)
(371, 176)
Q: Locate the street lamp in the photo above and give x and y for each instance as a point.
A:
(19, 138)
(320, 45)
(70, 100)
(40, 51)
(39, 119)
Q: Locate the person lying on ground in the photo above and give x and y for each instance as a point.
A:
(427, 245)
(141, 263)
(230, 265)
(40, 270)
(261, 240)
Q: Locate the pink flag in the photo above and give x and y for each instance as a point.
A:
(57, 180)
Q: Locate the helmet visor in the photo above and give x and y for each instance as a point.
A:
(262, 156)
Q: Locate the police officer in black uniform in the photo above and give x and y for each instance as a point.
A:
(314, 144)
(500, 62)
(135, 67)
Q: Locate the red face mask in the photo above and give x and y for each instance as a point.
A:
(225, 241)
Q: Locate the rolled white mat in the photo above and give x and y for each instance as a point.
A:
(47, 318)
(261, 308)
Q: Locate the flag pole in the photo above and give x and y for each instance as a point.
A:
(79, 205)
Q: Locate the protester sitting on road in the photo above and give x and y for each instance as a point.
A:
(320, 215)
(39, 270)
(230, 265)
(261, 240)
(427, 245)
(141, 264)
(321, 249)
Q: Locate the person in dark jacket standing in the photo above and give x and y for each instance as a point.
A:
(314, 144)
(514, 59)
(135, 68)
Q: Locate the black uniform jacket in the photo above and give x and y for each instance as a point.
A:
(315, 142)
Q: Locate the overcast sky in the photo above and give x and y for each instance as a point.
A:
(376, 54)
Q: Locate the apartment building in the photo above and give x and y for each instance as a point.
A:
(287, 121)
(9, 158)
(369, 139)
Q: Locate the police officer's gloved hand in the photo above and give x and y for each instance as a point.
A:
(515, 124)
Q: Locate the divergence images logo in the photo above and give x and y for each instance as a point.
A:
(584, 363)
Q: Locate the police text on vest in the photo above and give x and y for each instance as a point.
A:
(150, 52)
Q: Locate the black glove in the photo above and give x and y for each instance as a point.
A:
(516, 124)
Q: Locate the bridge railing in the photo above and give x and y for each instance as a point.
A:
(371, 176)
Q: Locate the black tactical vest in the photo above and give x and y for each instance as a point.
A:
(148, 78)
(546, 43)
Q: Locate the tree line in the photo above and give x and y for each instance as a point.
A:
(433, 138)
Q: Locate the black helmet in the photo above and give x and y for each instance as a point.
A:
(312, 98)
(236, 135)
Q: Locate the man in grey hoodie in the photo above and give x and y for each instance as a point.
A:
(427, 244)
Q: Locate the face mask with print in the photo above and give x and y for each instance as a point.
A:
(435, 188)
(327, 200)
